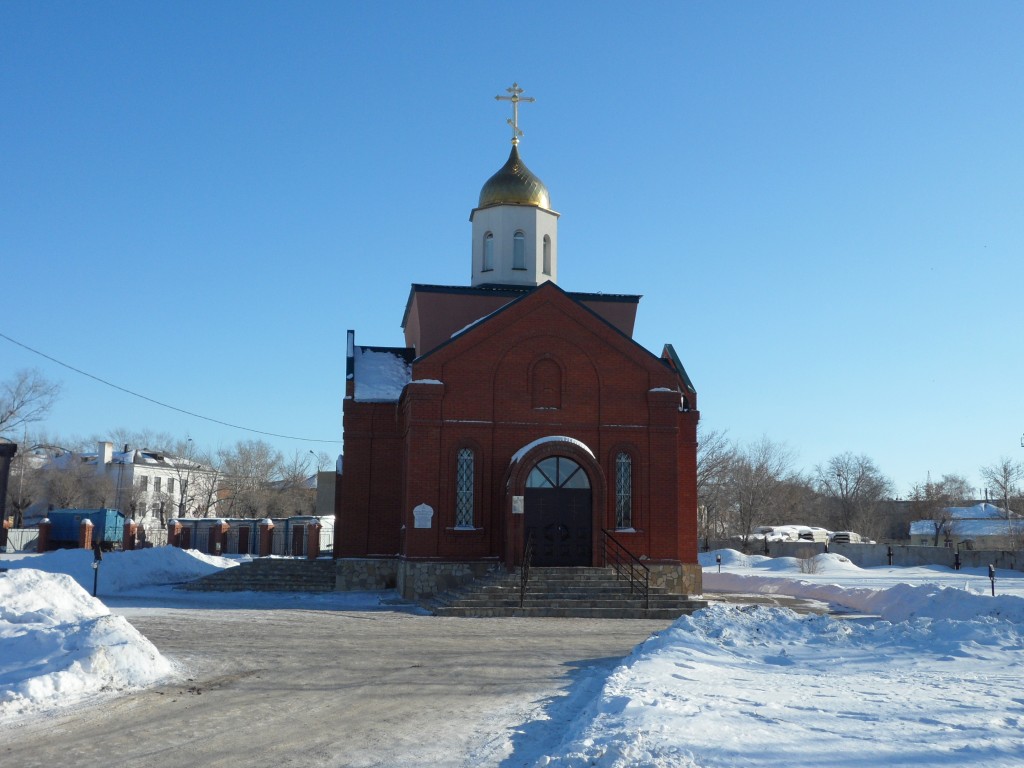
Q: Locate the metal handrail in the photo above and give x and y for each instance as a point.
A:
(628, 566)
(524, 571)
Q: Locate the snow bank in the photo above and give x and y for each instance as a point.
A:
(60, 645)
(121, 571)
(898, 602)
(757, 686)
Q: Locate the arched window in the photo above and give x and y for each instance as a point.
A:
(546, 385)
(519, 251)
(623, 491)
(547, 255)
(464, 488)
(557, 472)
(488, 263)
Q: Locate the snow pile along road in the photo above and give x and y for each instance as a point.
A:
(61, 646)
(122, 571)
(759, 686)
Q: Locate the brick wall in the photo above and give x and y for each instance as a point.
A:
(612, 395)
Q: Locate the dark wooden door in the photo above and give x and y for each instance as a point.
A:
(558, 513)
(244, 534)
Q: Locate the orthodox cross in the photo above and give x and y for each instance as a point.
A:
(515, 98)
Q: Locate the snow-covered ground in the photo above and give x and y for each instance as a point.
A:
(59, 646)
(935, 681)
(932, 677)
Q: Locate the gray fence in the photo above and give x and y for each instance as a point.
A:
(22, 539)
(873, 555)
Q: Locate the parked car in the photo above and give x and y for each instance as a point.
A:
(817, 535)
(846, 537)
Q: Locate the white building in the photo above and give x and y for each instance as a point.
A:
(148, 483)
(982, 526)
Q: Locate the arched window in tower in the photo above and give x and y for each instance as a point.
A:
(546, 385)
(519, 251)
(623, 491)
(547, 255)
(488, 262)
(464, 488)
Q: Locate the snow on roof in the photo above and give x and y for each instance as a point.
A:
(550, 439)
(983, 511)
(380, 375)
(146, 456)
(465, 328)
(967, 527)
(982, 519)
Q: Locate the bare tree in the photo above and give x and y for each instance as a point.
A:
(25, 486)
(715, 458)
(856, 488)
(757, 484)
(297, 488)
(250, 469)
(25, 399)
(69, 483)
(196, 477)
(934, 501)
(137, 438)
(1004, 477)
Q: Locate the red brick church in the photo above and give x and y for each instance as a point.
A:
(517, 410)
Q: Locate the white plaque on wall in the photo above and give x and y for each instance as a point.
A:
(422, 515)
(517, 505)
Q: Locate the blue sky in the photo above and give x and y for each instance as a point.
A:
(820, 202)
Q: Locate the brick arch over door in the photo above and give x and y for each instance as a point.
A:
(515, 485)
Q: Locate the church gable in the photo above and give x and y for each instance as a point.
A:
(545, 319)
(545, 357)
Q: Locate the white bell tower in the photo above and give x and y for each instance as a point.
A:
(515, 232)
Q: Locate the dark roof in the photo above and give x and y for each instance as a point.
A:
(512, 291)
(576, 298)
(678, 366)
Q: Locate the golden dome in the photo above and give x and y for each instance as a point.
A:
(514, 184)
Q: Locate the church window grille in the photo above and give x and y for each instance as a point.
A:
(488, 263)
(547, 255)
(464, 490)
(623, 491)
(518, 251)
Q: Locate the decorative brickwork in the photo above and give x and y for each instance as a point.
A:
(542, 367)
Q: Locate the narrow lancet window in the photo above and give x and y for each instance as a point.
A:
(518, 251)
(547, 255)
(488, 262)
(623, 491)
(464, 482)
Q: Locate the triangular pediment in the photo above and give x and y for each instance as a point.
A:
(550, 300)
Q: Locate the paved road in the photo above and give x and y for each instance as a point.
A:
(336, 688)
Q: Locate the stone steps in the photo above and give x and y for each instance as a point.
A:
(572, 613)
(271, 575)
(562, 592)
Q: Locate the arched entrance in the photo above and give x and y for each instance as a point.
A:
(558, 512)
